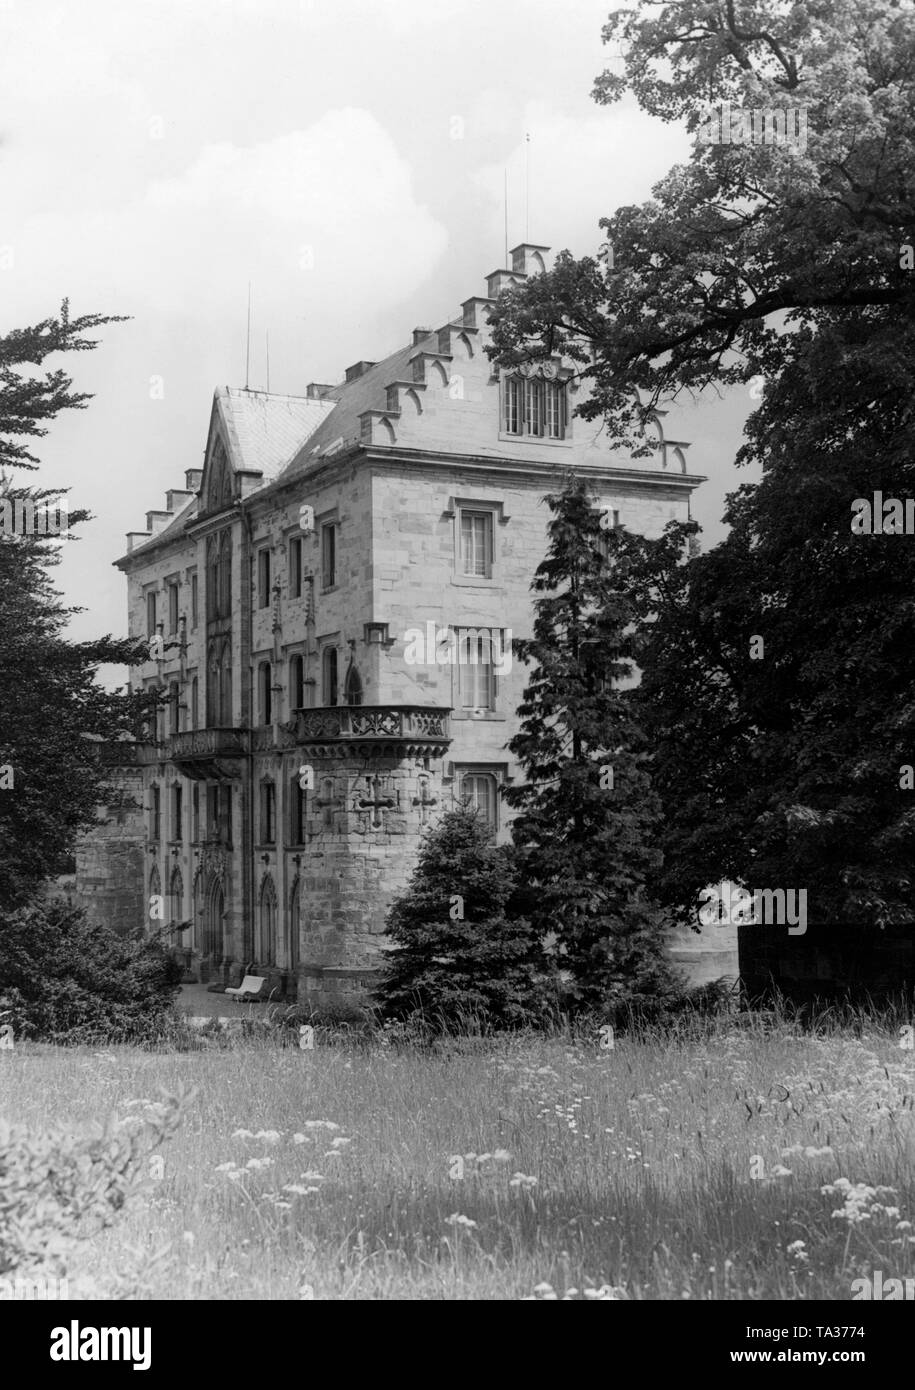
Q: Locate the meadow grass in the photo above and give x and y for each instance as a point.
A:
(669, 1167)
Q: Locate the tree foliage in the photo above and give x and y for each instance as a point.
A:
(791, 265)
(50, 703)
(460, 950)
(587, 828)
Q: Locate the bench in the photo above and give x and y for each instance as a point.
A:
(250, 988)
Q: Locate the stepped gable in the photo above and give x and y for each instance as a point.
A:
(373, 391)
(350, 399)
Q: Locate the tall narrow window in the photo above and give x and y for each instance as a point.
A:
(555, 402)
(296, 682)
(329, 555)
(352, 687)
(177, 832)
(476, 543)
(478, 792)
(195, 812)
(195, 702)
(298, 804)
(265, 691)
(173, 709)
(151, 613)
(268, 813)
(330, 675)
(263, 578)
(173, 607)
(476, 671)
(533, 407)
(224, 812)
(194, 600)
(511, 396)
(295, 567)
(155, 813)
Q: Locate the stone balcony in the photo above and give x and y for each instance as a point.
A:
(367, 731)
(211, 754)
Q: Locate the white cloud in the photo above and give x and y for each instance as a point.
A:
(316, 218)
(581, 169)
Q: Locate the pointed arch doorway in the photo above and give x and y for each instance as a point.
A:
(213, 921)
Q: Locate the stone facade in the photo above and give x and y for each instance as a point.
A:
(302, 595)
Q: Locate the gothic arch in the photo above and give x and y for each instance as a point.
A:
(352, 686)
(414, 400)
(293, 927)
(265, 943)
(155, 891)
(176, 896)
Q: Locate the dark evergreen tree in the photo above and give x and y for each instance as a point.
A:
(461, 952)
(587, 831)
(50, 779)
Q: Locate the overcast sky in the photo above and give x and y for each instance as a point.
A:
(345, 156)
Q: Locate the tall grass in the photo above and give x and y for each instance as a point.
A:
(686, 1162)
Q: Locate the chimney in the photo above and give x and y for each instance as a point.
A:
(358, 369)
(193, 477)
(528, 258)
(157, 521)
(135, 538)
(176, 499)
(419, 334)
(317, 390)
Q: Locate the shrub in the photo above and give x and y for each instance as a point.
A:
(64, 979)
(58, 1189)
(460, 953)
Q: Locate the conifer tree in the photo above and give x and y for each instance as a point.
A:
(461, 952)
(587, 829)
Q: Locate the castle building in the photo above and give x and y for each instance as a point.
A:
(329, 605)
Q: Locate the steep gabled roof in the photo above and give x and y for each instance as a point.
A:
(265, 431)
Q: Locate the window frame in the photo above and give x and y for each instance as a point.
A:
(295, 567)
(264, 568)
(475, 771)
(535, 408)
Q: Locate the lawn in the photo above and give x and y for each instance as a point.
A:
(660, 1168)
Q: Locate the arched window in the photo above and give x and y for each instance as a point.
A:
(176, 897)
(265, 692)
(265, 946)
(292, 935)
(296, 682)
(154, 913)
(352, 689)
(330, 675)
